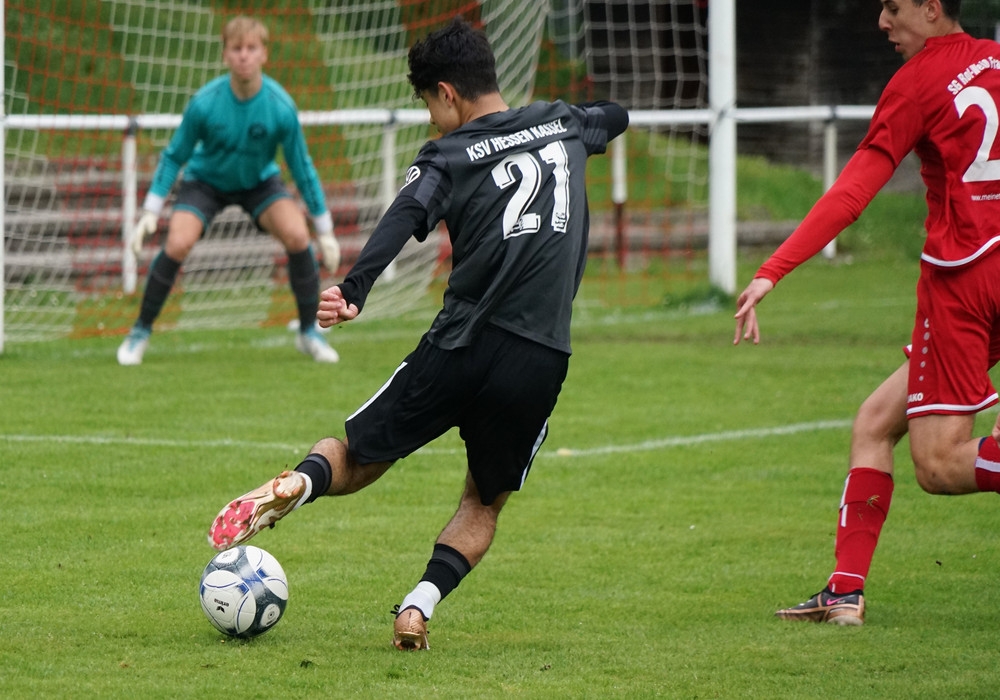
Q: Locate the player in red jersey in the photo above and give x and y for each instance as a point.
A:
(941, 104)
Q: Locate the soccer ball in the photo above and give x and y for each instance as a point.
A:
(243, 591)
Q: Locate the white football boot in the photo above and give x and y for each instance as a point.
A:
(131, 350)
(312, 343)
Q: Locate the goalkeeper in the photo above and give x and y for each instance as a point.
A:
(228, 139)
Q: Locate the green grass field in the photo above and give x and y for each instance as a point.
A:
(698, 495)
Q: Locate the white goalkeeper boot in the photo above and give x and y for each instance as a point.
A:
(312, 343)
(131, 350)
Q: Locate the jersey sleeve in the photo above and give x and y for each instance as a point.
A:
(415, 212)
(863, 176)
(896, 126)
(405, 218)
(894, 131)
(301, 166)
(601, 122)
(428, 181)
(178, 151)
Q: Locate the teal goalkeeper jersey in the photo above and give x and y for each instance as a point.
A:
(231, 144)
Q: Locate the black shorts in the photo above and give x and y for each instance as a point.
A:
(499, 392)
(205, 202)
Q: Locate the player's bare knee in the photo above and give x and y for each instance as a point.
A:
(874, 423)
(178, 251)
(294, 244)
(293, 236)
(331, 448)
(933, 476)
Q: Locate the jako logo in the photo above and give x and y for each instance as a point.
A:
(919, 396)
(412, 174)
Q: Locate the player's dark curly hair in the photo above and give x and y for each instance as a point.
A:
(458, 54)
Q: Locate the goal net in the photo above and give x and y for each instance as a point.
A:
(651, 57)
(76, 163)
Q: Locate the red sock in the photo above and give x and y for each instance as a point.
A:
(988, 465)
(863, 507)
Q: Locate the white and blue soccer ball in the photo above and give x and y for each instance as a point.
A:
(243, 591)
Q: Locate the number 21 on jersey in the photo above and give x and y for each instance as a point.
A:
(518, 217)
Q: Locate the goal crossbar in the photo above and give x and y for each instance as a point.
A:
(388, 117)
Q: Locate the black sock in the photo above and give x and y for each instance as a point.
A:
(318, 469)
(162, 275)
(446, 568)
(303, 278)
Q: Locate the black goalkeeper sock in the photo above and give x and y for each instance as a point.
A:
(446, 568)
(318, 469)
(303, 278)
(162, 275)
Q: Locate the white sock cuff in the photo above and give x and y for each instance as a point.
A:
(424, 597)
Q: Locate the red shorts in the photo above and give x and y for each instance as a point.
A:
(956, 339)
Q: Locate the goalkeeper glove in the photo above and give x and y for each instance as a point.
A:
(331, 251)
(145, 226)
(328, 245)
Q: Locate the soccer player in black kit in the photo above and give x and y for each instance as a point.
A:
(509, 185)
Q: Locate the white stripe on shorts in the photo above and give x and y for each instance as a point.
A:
(385, 386)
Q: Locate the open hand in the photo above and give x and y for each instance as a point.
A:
(746, 313)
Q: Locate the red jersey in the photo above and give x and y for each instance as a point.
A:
(943, 105)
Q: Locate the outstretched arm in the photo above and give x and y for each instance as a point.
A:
(863, 176)
(404, 218)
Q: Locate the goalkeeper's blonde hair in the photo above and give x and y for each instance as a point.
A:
(241, 26)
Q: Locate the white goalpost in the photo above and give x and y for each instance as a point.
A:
(722, 145)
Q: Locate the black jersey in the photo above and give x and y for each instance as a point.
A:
(510, 187)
